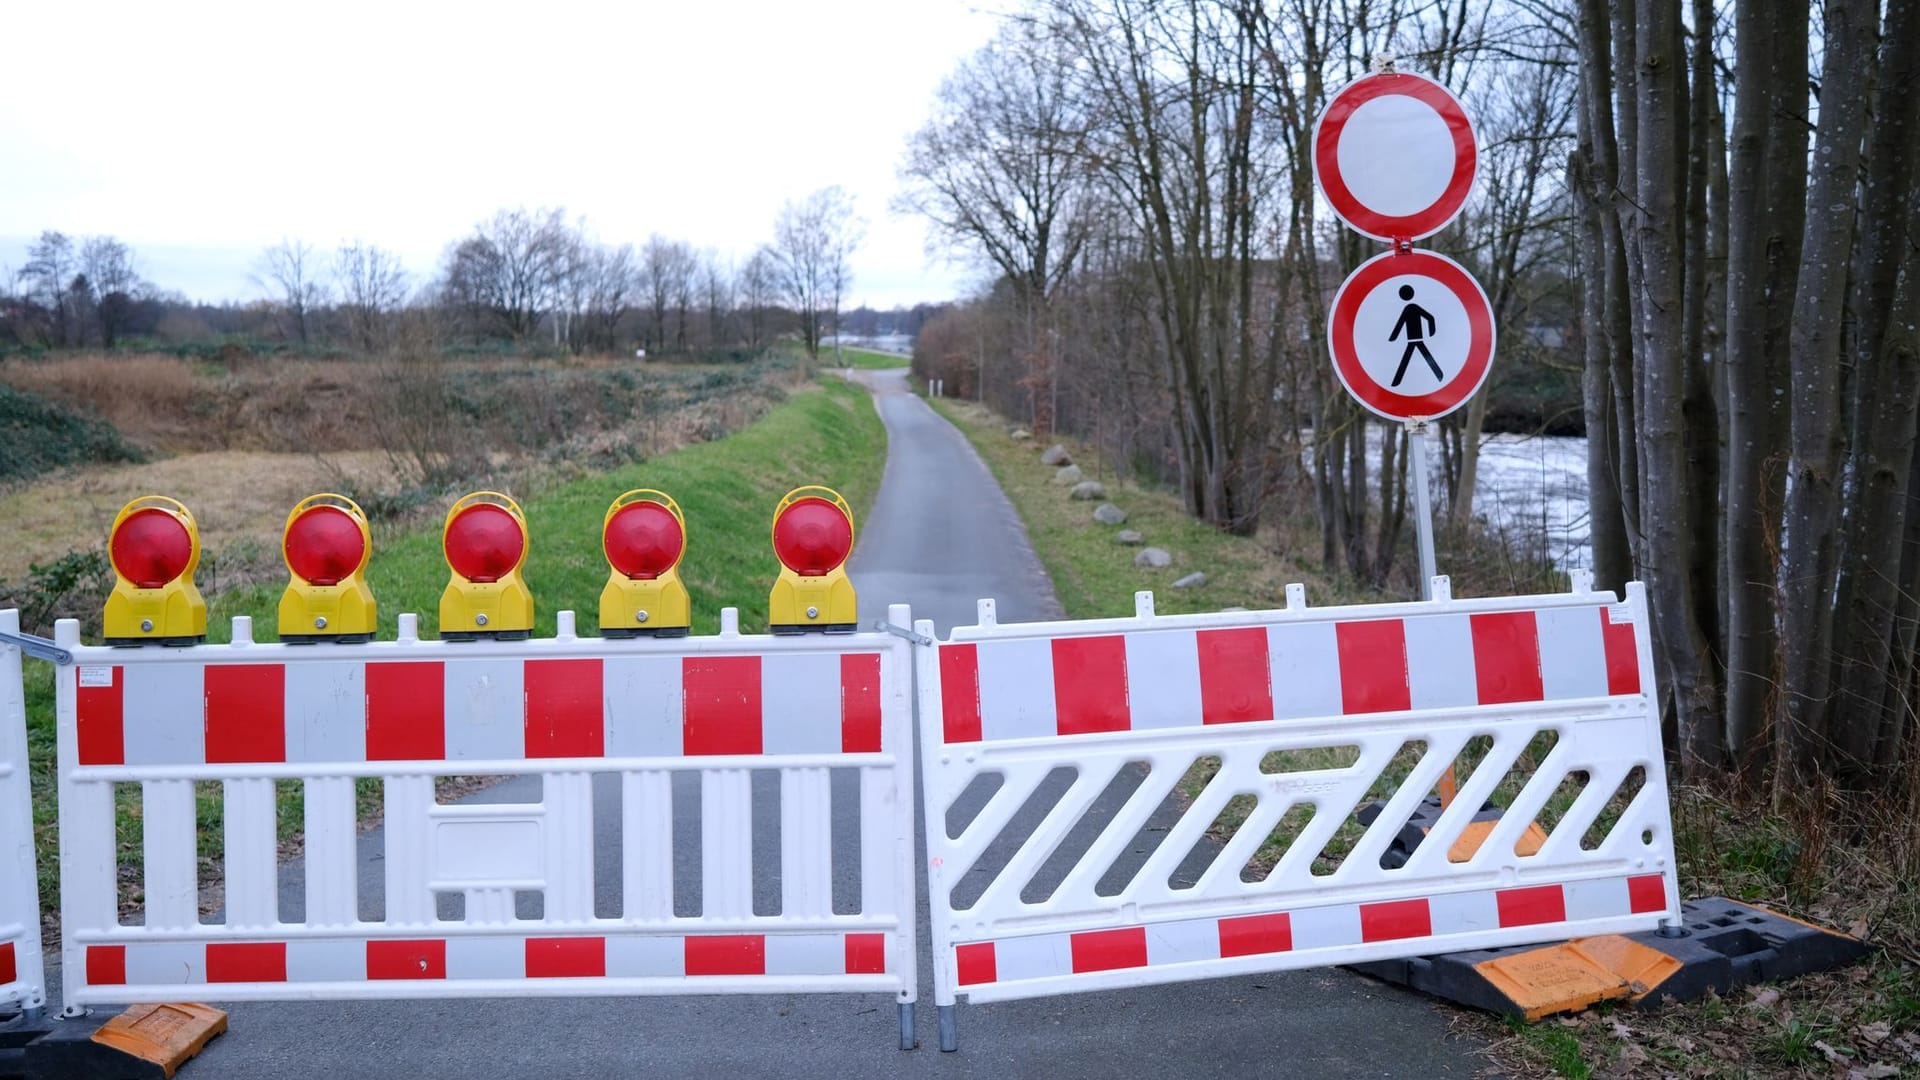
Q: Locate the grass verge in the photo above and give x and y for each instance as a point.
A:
(867, 359)
(828, 433)
(1094, 576)
(1858, 875)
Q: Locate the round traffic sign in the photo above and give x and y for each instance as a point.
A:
(1411, 334)
(1394, 155)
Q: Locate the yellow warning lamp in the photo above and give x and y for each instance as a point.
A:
(155, 548)
(326, 544)
(812, 537)
(485, 540)
(644, 537)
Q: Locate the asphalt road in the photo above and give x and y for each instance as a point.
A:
(941, 535)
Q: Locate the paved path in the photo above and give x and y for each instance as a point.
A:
(941, 535)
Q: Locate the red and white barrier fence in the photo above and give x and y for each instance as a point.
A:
(23, 982)
(639, 712)
(1088, 728)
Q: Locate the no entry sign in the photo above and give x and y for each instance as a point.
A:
(1394, 155)
(1411, 335)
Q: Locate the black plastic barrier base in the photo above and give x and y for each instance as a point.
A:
(147, 1042)
(1727, 945)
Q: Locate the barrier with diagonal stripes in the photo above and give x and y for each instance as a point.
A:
(1055, 753)
(23, 982)
(479, 897)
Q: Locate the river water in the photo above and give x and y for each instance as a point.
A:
(1532, 490)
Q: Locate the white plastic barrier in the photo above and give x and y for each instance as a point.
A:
(1305, 710)
(326, 717)
(23, 982)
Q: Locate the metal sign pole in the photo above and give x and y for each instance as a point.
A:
(1422, 504)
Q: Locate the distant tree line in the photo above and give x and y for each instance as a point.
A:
(523, 277)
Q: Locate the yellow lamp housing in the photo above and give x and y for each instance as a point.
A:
(326, 545)
(485, 542)
(812, 537)
(644, 537)
(154, 548)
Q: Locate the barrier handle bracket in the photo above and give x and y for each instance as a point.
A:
(36, 646)
(900, 631)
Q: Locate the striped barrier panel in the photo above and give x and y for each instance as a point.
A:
(23, 983)
(499, 894)
(1119, 802)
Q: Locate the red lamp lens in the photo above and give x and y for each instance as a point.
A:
(324, 545)
(643, 540)
(812, 537)
(151, 548)
(484, 543)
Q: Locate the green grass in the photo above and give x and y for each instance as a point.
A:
(1093, 576)
(863, 358)
(827, 434)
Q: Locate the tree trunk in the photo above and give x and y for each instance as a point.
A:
(1612, 560)
(1699, 410)
(1665, 505)
(1613, 328)
(1766, 210)
(1869, 715)
(1817, 437)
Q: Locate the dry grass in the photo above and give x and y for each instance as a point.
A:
(251, 436)
(236, 496)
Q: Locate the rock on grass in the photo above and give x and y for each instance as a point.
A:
(1089, 490)
(1153, 558)
(1056, 455)
(1067, 474)
(1109, 514)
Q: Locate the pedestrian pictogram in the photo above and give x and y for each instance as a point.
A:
(1411, 335)
(1412, 319)
(1393, 153)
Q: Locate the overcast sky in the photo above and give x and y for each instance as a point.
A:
(201, 132)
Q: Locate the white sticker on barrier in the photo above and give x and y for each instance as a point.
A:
(1127, 801)
(497, 895)
(23, 981)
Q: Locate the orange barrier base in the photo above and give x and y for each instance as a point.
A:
(166, 1035)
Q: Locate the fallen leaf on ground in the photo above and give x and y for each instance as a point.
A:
(1766, 997)
(1832, 1055)
(1876, 1032)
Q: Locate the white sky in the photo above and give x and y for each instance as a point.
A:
(200, 132)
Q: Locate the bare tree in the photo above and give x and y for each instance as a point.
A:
(813, 239)
(109, 269)
(49, 270)
(291, 271)
(508, 272)
(998, 172)
(716, 289)
(666, 280)
(612, 274)
(372, 286)
(758, 289)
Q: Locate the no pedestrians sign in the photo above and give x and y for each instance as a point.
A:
(1411, 335)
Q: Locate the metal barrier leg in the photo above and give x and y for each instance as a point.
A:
(906, 1026)
(949, 1030)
